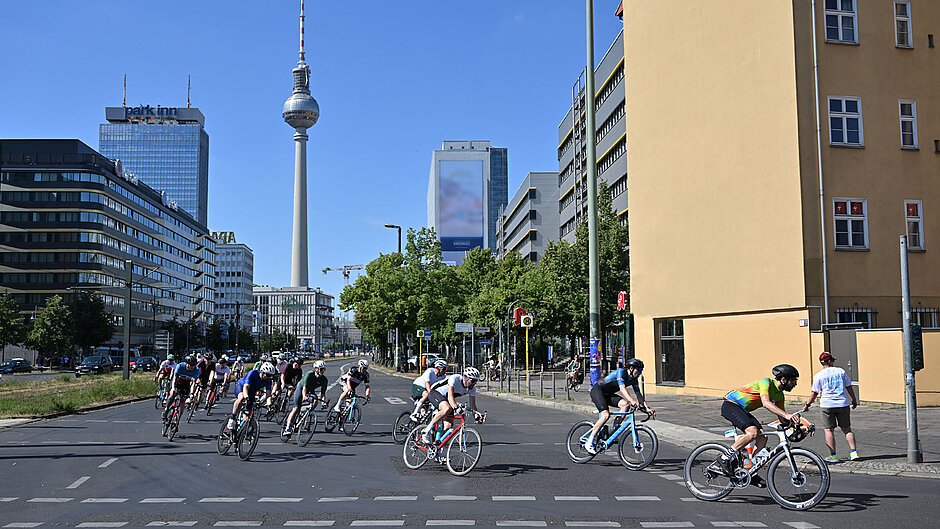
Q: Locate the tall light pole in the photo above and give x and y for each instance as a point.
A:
(397, 354)
(594, 293)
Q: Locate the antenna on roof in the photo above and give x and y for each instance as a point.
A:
(188, 88)
(124, 100)
(301, 30)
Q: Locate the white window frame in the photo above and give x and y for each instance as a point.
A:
(856, 310)
(927, 318)
(903, 19)
(912, 119)
(843, 116)
(841, 15)
(918, 229)
(851, 220)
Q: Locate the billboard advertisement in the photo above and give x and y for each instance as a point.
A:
(461, 204)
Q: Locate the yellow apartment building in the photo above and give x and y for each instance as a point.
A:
(768, 194)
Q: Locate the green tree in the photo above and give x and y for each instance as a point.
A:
(51, 334)
(13, 330)
(214, 337)
(93, 325)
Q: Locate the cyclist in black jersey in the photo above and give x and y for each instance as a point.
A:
(612, 391)
(355, 376)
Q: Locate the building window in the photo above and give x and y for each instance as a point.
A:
(902, 24)
(907, 109)
(532, 194)
(840, 21)
(851, 223)
(533, 215)
(915, 224)
(864, 316)
(845, 121)
(671, 353)
(926, 318)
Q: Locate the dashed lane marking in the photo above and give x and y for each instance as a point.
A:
(223, 499)
(102, 524)
(671, 477)
(25, 525)
(637, 498)
(309, 523)
(237, 523)
(95, 420)
(53, 442)
(522, 424)
(689, 499)
(377, 522)
(107, 463)
(5, 500)
(801, 525)
(447, 497)
(521, 523)
(340, 498)
(49, 500)
(126, 422)
(574, 523)
(450, 522)
(395, 401)
(395, 498)
(551, 424)
(577, 498)
(381, 424)
(163, 500)
(160, 523)
(666, 524)
(280, 500)
(90, 443)
(513, 498)
(531, 444)
(104, 500)
(738, 524)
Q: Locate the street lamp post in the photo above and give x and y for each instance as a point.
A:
(593, 266)
(397, 354)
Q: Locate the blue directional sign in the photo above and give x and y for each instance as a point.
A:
(486, 342)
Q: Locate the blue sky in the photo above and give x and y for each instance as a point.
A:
(393, 80)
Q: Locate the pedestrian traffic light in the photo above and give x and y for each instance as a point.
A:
(917, 347)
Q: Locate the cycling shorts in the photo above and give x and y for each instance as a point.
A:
(435, 398)
(417, 391)
(297, 398)
(216, 382)
(738, 416)
(602, 400)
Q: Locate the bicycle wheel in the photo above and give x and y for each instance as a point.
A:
(463, 451)
(640, 455)
(415, 453)
(192, 409)
(280, 411)
(175, 416)
(307, 426)
(210, 402)
(575, 445)
(224, 440)
(352, 420)
(158, 399)
(248, 439)
(331, 419)
(403, 425)
(702, 475)
(799, 486)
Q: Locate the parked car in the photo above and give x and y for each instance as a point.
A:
(94, 365)
(144, 363)
(413, 361)
(118, 361)
(17, 365)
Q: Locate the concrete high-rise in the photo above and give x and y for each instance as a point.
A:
(467, 187)
(301, 112)
(165, 147)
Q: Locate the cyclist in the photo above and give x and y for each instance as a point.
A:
(421, 386)
(264, 358)
(248, 387)
(184, 377)
(443, 396)
(206, 367)
(355, 376)
(165, 371)
(315, 378)
(237, 367)
(574, 371)
(612, 391)
(739, 403)
(221, 375)
(291, 375)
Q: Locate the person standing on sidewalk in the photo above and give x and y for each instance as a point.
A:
(834, 387)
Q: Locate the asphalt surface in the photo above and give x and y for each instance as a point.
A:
(111, 468)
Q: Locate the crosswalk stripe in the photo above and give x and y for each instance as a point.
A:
(377, 522)
(24, 525)
(801, 525)
(591, 524)
(637, 498)
(395, 498)
(78, 482)
(666, 524)
(738, 524)
(521, 523)
(104, 500)
(280, 500)
(223, 499)
(163, 500)
(446, 497)
(102, 524)
(309, 523)
(577, 498)
(450, 522)
(50, 500)
(158, 523)
(340, 498)
(513, 498)
(107, 463)
(237, 523)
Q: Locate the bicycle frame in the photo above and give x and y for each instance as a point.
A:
(457, 421)
(629, 422)
(782, 446)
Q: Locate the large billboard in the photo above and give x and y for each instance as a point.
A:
(461, 205)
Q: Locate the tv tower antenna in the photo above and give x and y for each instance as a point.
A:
(124, 99)
(301, 30)
(188, 89)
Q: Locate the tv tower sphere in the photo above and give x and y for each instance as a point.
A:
(301, 110)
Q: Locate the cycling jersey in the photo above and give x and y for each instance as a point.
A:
(454, 381)
(749, 396)
(292, 375)
(257, 365)
(429, 376)
(181, 375)
(354, 377)
(221, 371)
(619, 377)
(282, 366)
(253, 382)
(167, 367)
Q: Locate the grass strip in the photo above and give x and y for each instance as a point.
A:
(69, 394)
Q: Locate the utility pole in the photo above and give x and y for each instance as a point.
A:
(128, 271)
(594, 294)
(914, 454)
(238, 310)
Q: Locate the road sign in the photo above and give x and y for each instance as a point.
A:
(622, 300)
(486, 342)
(420, 333)
(526, 321)
(482, 330)
(464, 327)
(427, 334)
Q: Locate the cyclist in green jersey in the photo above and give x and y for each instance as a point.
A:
(739, 403)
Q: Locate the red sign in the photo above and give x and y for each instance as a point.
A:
(912, 210)
(622, 300)
(517, 315)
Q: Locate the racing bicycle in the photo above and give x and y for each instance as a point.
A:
(171, 416)
(348, 416)
(245, 434)
(797, 478)
(162, 391)
(214, 394)
(305, 423)
(637, 443)
(459, 447)
(404, 424)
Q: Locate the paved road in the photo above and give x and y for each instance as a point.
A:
(111, 468)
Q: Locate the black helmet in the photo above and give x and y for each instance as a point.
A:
(785, 371)
(634, 362)
(190, 359)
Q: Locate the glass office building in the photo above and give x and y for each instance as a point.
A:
(166, 147)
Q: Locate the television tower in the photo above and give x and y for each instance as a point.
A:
(301, 112)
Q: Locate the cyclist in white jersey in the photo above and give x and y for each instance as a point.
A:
(443, 396)
(422, 385)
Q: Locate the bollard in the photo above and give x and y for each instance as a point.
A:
(541, 385)
(553, 385)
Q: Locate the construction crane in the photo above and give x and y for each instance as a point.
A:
(345, 270)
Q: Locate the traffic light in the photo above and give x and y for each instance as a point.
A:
(917, 347)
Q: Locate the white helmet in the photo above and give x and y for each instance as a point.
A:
(268, 368)
(363, 363)
(224, 358)
(471, 373)
(440, 364)
(319, 364)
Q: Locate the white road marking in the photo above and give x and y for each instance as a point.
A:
(531, 444)
(377, 522)
(78, 482)
(551, 424)
(395, 401)
(90, 443)
(6, 500)
(238, 523)
(689, 499)
(637, 498)
(666, 524)
(222, 499)
(163, 500)
(801, 525)
(126, 422)
(107, 463)
(340, 498)
(522, 424)
(155, 422)
(158, 523)
(671, 477)
(450, 522)
(104, 500)
(513, 498)
(738, 524)
(25, 525)
(97, 420)
(395, 498)
(381, 424)
(577, 498)
(280, 500)
(521, 523)
(454, 498)
(53, 442)
(102, 524)
(309, 523)
(591, 524)
(49, 500)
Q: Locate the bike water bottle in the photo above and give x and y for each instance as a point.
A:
(748, 459)
(761, 456)
(438, 431)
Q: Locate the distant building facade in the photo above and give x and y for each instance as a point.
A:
(234, 282)
(530, 221)
(166, 147)
(301, 311)
(469, 183)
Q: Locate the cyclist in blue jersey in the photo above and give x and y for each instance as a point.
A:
(612, 390)
(248, 387)
(184, 377)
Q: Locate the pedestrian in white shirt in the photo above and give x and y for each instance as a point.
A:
(834, 388)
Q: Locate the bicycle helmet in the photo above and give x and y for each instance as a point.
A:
(319, 364)
(440, 364)
(298, 360)
(210, 357)
(363, 363)
(472, 373)
(634, 362)
(785, 371)
(268, 368)
(265, 358)
(189, 360)
(170, 357)
(223, 360)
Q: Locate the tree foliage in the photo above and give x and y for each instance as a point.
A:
(93, 325)
(51, 334)
(13, 330)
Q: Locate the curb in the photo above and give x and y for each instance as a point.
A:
(686, 441)
(76, 412)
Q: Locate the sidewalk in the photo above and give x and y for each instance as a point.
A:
(687, 421)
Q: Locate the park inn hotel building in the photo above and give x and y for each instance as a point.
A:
(752, 233)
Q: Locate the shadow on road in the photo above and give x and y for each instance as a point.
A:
(512, 469)
(845, 502)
